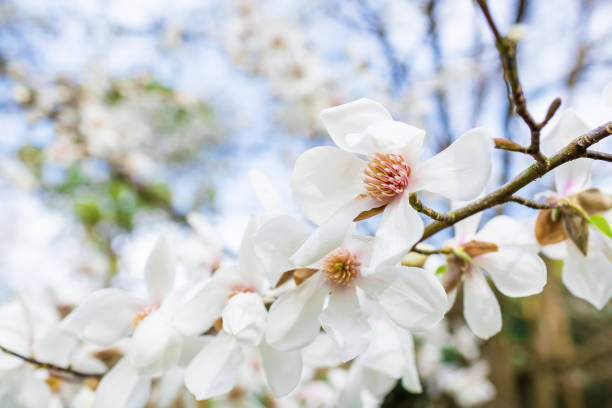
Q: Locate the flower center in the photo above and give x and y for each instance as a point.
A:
(239, 289)
(386, 176)
(142, 314)
(341, 267)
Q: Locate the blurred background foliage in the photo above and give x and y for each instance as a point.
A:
(120, 115)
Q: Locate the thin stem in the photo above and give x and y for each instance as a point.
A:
(532, 204)
(420, 207)
(598, 156)
(424, 251)
(51, 367)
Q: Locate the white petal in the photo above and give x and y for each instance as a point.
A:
(104, 317)
(410, 379)
(245, 318)
(461, 171)
(343, 320)
(214, 371)
(122, 387)
(589, 278)
(385, 352)
(466, 228)
(350, 118)
(277, 240)
(206, 231)
(607, 94)
(378, 383)
(268, 195)
(412, 297)
(155, 347)
(516, 272)
(160, 270)
(293, 319)
(13, 341)
(507, 232)
(555, 251)
(325, 179)
(330, 235)
(480, 307)
(574, 176)
(251, 266)
(202, 306)
(400, 228)
(283, 368)
(56, 347)
(322, 352)
(389, 136)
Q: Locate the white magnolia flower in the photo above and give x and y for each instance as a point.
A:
(508, 252)
(334, 184)
(411, 297)
(589, 276)
(236, 295)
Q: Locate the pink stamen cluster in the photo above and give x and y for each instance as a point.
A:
(341, 267)
(142, 314)
(386, 176)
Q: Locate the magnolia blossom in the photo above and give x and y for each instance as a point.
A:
(335, 184)
(508, 252)
(411, 297)
(236, 295)
(586, 275)
(154, 345)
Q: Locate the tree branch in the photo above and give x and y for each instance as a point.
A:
(575, 150)
(420, 207)
(598, 156)
(66, 373)
(532, 204)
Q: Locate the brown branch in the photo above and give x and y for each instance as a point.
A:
(65, 373)
(532, 204)
(506, 48)
(420, 207)
(574, 150)
(424, 251)
(598, 156)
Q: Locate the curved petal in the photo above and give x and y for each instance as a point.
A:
(322, 352)
(515, 271)
(400, 228)
(214, 371)
(410, 379)
(506, 232)
(245, 318)
(412, 297)
(155, 347)
(13, 341)
(589, 278)
(389, 136)
(480, 307)
(277, 240)
(251, 268)
(104, 317)
(330, 235)
(461, 171)
(343, 320)
(283, 368)
(350, 118)
(202, 306)
(266, 192)
(325, 179)
(56, 347)
(293, 319)
(574, 176)
(385, 352)
(160, 270)
(122, 387)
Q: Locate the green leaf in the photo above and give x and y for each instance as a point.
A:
(441, 269)
(461, 254)
(601, 223)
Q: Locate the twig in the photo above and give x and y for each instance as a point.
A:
(533, 204)
(506, 48)
(420, 207)
(574, 150)
(598, 156)
(52, 367)
(424, 251)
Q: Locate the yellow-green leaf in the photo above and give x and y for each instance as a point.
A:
(601, 223)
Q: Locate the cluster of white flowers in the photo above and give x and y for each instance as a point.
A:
(302, 300)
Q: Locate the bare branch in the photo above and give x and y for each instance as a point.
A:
(66, 373)
(420, 207)
(532, 204)
(598, 156)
